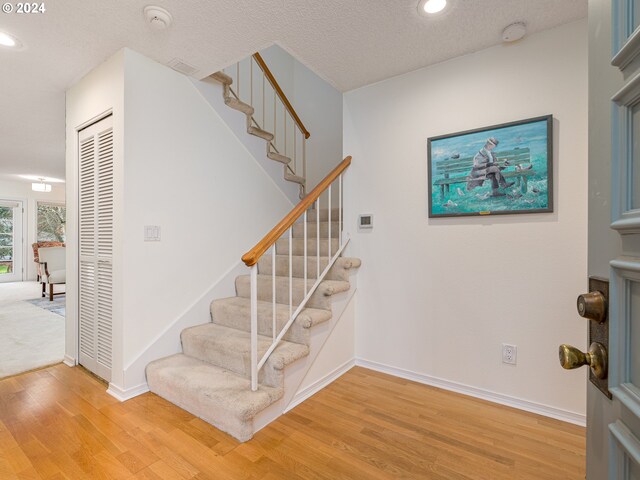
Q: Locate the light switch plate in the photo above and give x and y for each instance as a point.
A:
(151, 233)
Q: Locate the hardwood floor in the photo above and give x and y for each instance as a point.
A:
(59, 423)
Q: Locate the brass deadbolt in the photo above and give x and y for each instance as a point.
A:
(596, 358)
(593, 306)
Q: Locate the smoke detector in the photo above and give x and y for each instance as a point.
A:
(157, 17)
(514, 32)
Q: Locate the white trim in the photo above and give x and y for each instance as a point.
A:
(319, 384)
(69, 361)
(521, 404)
(128, 393)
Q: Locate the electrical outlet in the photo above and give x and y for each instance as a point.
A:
(509, 354)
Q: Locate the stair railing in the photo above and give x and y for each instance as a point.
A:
(273, 112)
(283, 231)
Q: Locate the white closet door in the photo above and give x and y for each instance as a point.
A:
(96, 246)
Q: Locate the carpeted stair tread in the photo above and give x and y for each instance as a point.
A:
(324, 214)
(319, 299)
(312, 229)
(218, 396)
(293, 178)
(235, 312)
(278, 158)
(231, 349)
(222, 78)
(239, 105)
(297, 246)
(258, 132)
(339, 270)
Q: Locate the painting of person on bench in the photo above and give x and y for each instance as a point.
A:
(485, 166)
(501, 169)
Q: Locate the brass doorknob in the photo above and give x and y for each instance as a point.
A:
(596, 358)
(593, 305)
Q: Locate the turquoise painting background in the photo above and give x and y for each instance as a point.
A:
(459, 200)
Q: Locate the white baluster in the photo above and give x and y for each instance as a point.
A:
(254, 327)
(305, 251)
(340, 210)
(251, 80)
(290, 272)
(329, 241)
(273, 291)
(318, 235)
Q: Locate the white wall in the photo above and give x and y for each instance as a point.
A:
(21, 190)
(318, 105)
(438, 297)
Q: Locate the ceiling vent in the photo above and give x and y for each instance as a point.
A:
(182, 67)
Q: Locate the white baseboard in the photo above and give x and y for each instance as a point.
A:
(127, 393)
(526, 405)
(319, 384)
(69, 361)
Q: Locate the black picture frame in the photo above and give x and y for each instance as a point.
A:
(520, 163)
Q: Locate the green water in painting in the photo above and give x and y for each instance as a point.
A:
(460, 200)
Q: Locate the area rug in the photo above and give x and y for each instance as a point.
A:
(30, 337)
(56, 306)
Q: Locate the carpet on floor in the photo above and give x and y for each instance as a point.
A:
(30, 337)
(56, 306)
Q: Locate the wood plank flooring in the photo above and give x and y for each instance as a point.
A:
(58, 423)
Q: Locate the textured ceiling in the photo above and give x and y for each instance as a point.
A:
(350, 43)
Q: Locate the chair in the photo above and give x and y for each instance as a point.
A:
(52, 265)
(38, 245)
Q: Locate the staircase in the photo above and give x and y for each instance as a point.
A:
(232, 369)
(211, 378)
(287, 135)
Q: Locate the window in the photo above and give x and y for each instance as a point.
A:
(51, 220)
(6, 239)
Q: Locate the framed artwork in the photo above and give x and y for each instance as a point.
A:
(502, 169)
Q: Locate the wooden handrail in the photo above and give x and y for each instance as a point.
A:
(252, 256)
(283, 97)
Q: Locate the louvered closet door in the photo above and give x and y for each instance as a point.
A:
(96, 246)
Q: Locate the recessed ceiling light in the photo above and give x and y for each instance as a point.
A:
(432, 6)
(10, 41)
